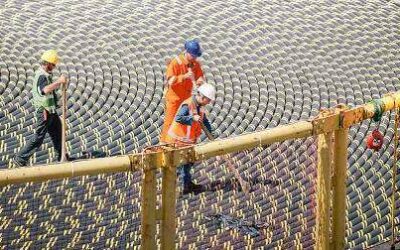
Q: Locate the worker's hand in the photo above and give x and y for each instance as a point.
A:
(189, 75)
(199, 81)
(62, 79)
(171, 80)
(196, 118)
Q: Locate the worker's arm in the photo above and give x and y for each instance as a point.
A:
(44, 90)
(198, 74)
(207, 124)
(183, 116)
(199, 81)
(179, 78)
(173, 76)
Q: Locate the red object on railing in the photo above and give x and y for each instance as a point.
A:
(375, 140)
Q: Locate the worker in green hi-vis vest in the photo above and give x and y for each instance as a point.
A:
(45, 102)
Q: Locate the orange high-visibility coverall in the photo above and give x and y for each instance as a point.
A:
(179, 133)
(179, 90)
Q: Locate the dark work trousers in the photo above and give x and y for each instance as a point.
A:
(184, 173)
(52, 125)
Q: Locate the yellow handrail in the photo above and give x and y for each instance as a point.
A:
(336, 120)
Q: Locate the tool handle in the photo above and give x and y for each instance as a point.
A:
(245, 185)
(63, 122)
(206, 131)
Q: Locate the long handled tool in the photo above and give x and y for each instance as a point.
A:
(63, 122)
(245, 185)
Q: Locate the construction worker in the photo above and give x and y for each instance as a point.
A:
(182, 73)
(45, 102)
(186, 128)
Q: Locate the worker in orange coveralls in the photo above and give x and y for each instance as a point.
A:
(182, 73)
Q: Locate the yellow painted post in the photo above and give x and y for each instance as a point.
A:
(339, 188)
(394, 177)
(149, 196)
(323, 190)
(168, 222)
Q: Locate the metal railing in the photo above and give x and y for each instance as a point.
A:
(331, 127)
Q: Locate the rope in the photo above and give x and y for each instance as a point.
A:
(394, 173)
(378, 109)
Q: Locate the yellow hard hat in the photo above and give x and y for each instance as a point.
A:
(50, 56)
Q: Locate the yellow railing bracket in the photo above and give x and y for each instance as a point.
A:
(134, 162)
(185, 155)
(352, 116)
(326, 121)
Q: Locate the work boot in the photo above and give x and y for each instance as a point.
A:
(17, 163)
(190, 187)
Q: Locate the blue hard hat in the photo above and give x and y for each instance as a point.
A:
(193, 48)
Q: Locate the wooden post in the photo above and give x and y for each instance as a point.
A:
(394, 177)
(323, 190)
(149, 196)
(168, 223)
(339, 189)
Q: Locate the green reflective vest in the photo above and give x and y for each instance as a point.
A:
(40, 101)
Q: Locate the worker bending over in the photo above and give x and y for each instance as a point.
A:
(186, 128)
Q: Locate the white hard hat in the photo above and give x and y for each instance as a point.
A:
(207, 90)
